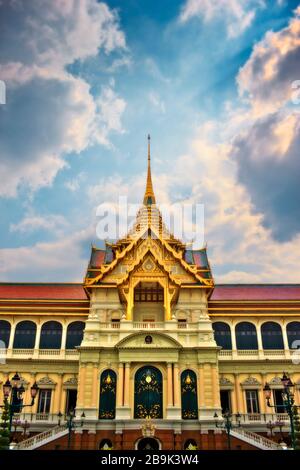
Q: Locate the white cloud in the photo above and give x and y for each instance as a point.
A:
(237, 14)
(157, 102)
(54, 112)
(33, 222)
(61, 260)
(267, 77)
(74, 184)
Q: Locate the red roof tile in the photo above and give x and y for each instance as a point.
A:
(42, 291)
(256, 292)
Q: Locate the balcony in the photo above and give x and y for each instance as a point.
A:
(60, 354)
(254, 354)
(167, 325)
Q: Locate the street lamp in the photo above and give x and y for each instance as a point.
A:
(13, 397)
(288, 402)
(70, 423)
(227, 424)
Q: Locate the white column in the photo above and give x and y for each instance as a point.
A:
(12, 336)
(285, 338)
(38, 336)
(259, 340)
(233, 338)
(63, 337)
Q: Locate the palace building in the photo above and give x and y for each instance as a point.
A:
(148, 349)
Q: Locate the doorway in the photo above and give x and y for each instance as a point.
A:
(148, 443)
(278, 401)
(71, 400)
(225, 401)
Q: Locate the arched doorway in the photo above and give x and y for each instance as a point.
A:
(148, 443)
(148, 393)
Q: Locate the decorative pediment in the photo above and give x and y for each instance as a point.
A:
(250, 382)
(225, 383)
(46, 382)
(139, 249)
(71, 383)
(148, 340)
(276, 381)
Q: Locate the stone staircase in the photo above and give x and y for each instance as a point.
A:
(254, 439)
(42, 438)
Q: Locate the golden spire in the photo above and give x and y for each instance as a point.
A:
(149, 197)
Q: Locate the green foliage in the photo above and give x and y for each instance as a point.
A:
(4, 427)
(296, 427)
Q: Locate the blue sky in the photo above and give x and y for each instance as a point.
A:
(211, 80)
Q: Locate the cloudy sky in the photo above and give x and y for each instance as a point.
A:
(215, 82)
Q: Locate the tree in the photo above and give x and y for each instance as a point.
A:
(296, 427)
(4, 427)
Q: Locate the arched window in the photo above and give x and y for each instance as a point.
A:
(4, 332)
(271, 334)
(51, 333)
(190, 444)
(105, 444)
(108, 387)
(293, 334)
(148, 393)
(25, 335)
(246, 336)
(222, 334)
(189, 401)
(74, 334)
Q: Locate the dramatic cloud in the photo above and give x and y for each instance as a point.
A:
(50, 112)
(237, 14)
(267, 152)
(269, 75)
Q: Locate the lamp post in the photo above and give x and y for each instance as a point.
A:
(288, 402)
(70, 423)
(227, 424)
(13, 401)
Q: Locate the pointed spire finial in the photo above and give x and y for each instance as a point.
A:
(149, 197)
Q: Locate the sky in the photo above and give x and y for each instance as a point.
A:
(217, 85)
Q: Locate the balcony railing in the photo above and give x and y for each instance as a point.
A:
(250, 354)
(70, 354)
(148, 325)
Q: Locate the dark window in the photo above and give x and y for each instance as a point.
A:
(148, 393)
(246, 336)
(148, 292)
(189, 400)
(278, 401)
(25, 335)
(74, 334)
(225, 400)
(71, 400)
(148, 443)
(293, 334)
(105, 444)
(51, 333)
(271, 336)
(190, 444)
(252, 401)
(222, 334)
(4, 332)
(108, 389)
(44, 401)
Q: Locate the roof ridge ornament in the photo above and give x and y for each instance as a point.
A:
(149, 197)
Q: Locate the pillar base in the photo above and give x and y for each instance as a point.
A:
(207, 413)
(123, 412)
(173, 412)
